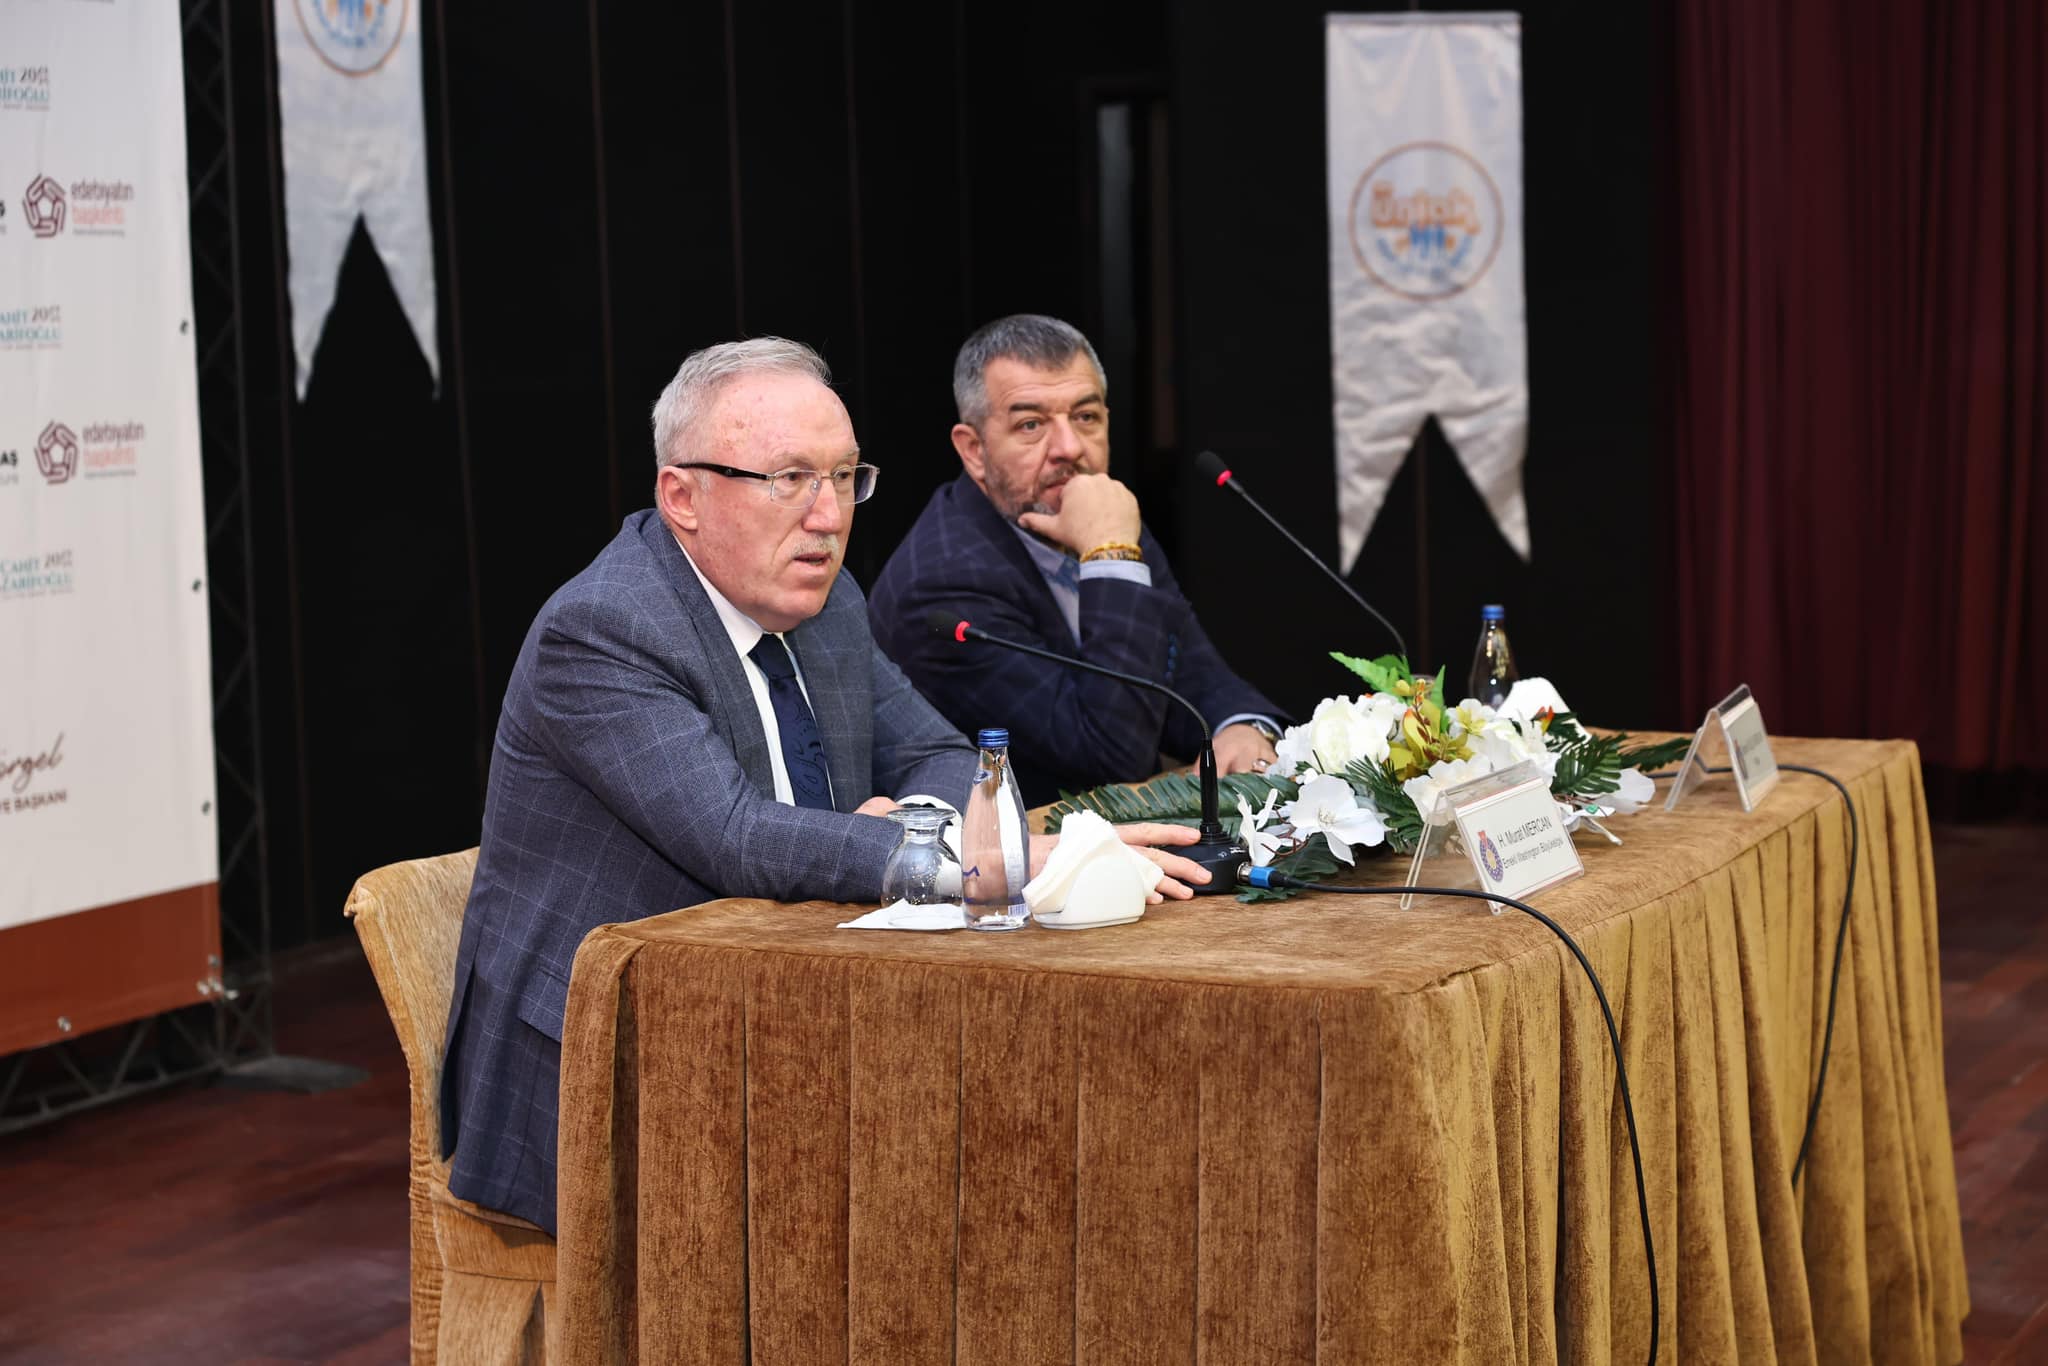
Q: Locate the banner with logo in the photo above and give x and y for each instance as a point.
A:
(1426, 303)
(355, 147)
(106, 736)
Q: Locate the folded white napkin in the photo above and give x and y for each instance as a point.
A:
(1529, 696)
(901, 915)
(1091, 877)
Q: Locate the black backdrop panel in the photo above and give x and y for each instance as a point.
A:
(798, 259)
(389, 703)
(675, 278)
(916, 224)
(1255, 373)
(521, 197)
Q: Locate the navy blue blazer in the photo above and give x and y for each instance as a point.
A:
(631, 777)
(1068, 729)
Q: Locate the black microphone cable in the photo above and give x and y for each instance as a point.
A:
(1266, 877)
(1827, 1039)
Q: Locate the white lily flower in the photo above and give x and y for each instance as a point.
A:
(1261, 843)
(1383, 709)
(1445, 773)
(1508, 741)
(1328, 807)
(1290, 753)
(1636, 791)
(1469, 717)
(1340, 732)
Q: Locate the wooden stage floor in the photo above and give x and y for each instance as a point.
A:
(238, 1228)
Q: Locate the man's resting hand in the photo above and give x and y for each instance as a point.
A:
(1242, 749)
(1180, 872)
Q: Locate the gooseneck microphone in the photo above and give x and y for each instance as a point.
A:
(1215, 851)
(1212, 466)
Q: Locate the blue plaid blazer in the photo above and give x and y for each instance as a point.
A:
(1068, 729)
(631, 777)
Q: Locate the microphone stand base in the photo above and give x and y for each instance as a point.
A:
(1222, 857)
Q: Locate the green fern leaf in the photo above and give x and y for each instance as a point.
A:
(1655, 755)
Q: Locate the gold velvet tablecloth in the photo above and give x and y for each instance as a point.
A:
(1327, 1130)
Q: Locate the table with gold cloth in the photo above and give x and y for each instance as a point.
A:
(1322, 1130)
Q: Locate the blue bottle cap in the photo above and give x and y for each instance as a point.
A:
(993, 737)
(1493, 611)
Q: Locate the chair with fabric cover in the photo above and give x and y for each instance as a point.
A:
(483, 1283)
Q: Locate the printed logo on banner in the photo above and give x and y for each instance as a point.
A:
(39, 327)
(99, 208)
(36, 576)
(26, 783)
(109, 449)
(42, 206)
(10, 468)
(25, 89)
(1489, 858)
(1426, 221)
(57, 453)
(355, 37)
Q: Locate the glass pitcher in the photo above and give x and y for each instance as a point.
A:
(917, 871)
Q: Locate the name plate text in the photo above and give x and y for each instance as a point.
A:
(1517, 844)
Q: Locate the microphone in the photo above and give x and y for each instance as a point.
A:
(1211, 465)
(1215, 851)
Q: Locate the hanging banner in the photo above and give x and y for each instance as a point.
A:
(106, 736)
(355, 147)
(1426, 302)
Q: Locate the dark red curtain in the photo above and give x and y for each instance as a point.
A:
(1858, 368)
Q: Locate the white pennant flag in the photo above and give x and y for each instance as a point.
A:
(348, 95)
(1426, 303)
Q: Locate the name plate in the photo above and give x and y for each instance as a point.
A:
(1749, 748)
(1513, 836)
(1507, 824)
(1741, 725)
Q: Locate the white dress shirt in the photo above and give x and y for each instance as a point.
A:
(746, 633)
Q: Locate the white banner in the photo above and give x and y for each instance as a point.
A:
(106, 735)
(355, 147)
(1426, 303)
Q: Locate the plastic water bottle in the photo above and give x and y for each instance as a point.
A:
(994, 858)
(1493, 665)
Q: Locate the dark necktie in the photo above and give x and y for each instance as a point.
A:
(803, 751)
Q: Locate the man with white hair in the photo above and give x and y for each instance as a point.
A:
(700, 713)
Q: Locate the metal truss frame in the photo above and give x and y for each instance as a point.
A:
(63, 1078)
(246, 1027)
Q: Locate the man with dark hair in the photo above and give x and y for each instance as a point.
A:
(1036, 542)
(700, 713)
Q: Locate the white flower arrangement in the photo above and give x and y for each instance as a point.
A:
(1362, 772)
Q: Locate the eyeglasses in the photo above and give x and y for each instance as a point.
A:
(798, 485)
